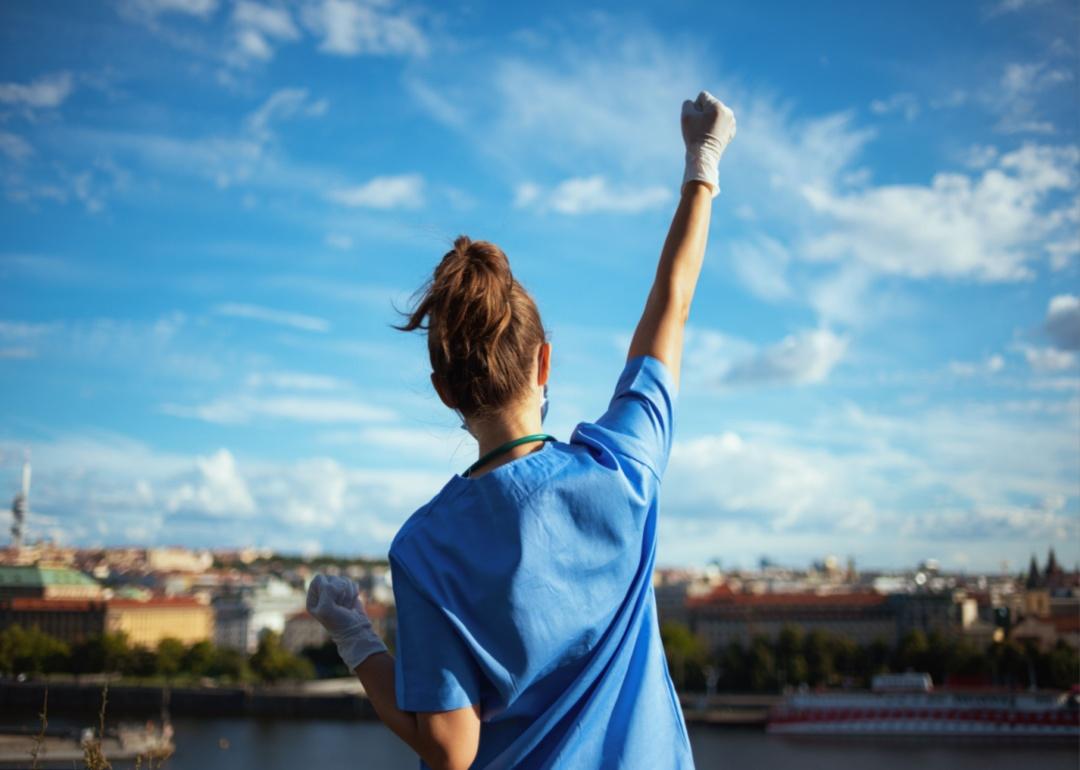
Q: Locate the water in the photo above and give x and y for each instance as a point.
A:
(327, 745)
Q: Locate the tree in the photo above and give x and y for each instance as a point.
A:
(230, 664)
(911, 655)
(272, 662)
(32, 651)
(821, 667)
(686, 656)
(170, 656)
(198, 659)
(791, 667)
(762, 665)
(326, 660)
(108, 652)
(1062, 667)
(141, 662)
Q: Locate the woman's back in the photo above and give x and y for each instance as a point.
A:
(528, 590)
(527, 629)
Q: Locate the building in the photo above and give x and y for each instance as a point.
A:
(178, 560)
(723, 616)
(70, 620)
(241, 617)
(929, 612)
(45, 582)
(148, 622)
(232, 619)
(302, 631)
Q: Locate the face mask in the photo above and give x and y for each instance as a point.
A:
(543, 410)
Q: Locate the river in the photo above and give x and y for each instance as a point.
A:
(241, 743)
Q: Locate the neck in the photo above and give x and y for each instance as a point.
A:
(495, 430)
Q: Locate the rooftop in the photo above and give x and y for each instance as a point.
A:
(38, 576)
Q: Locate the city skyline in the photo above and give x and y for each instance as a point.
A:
(211, 210)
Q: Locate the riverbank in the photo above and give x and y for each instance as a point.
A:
(326, 699)
(323, 699)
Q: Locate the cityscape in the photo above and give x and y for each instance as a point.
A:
(237, 600)
(240, 614)
(216, 215)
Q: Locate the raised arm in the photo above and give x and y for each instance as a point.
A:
(707, 126)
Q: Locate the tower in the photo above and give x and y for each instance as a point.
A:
(20, 506)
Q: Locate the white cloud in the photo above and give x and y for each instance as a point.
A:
(845, 296)
(149, 10)
(804, 358)
(215, 488)
(436, 103)
(993, 364)
(968, 474)
(256, 25)
(1063, 321)
(383, 192)
(14, 146)
(590, 195)
(16, 352)
(350, 28)
(44, 92)
(283, 104)
(338, 241)
(1012, 6)
(1048, 359)
(294, 381)
(1020, 79)
(253, 45)
(270, 315)
(760, 266)
(904, 103)
(987, 228)
(274, 21)
(1016, 99)
(243, 409)
(165, 346)
(110, 489)
(712, 358)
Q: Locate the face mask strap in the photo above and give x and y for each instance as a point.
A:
(543, 410)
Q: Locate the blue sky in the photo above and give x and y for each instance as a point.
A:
(210, 209)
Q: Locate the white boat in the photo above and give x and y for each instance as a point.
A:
(907, 704)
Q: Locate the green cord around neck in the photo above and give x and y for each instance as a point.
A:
(499, 450)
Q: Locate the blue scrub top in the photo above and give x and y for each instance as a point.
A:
(528, 590)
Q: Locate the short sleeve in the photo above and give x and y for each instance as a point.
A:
(434, 670)
(639, 421)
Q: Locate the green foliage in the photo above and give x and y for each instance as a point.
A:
(199, 659)
(109, 652)
(822, 659)
(686, 656)
(31, 651)
(170, 657)
(326, 660)
(272, 662)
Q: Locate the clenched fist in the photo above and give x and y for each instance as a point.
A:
(335, 602)
(707, 127)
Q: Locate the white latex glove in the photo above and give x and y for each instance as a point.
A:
(707, 127)
(335, 602)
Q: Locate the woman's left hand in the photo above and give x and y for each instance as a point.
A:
(335, 602)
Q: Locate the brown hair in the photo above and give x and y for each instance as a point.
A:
(483, 328)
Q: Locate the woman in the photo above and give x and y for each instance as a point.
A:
(527, 631)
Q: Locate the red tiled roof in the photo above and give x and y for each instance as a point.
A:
(157, 602)
(789, 600)
(1070, 624)
(25, 604)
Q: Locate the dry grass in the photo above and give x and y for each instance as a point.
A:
(39, 739)
(93, 752)
(93, 755)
